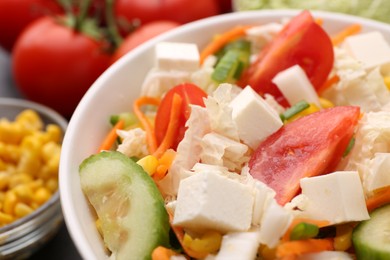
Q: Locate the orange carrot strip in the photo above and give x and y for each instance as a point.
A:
(348, 31)
(328, 83)
(296, 221)
(222, 40)
(299, 247)
(110, 138)
(150, 136)
(179, 232)
(380, 198)
(172, 126)
(162, 253)
(319, 21)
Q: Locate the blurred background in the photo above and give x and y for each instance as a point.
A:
(51, 51)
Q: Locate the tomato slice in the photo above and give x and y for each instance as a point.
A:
(310, 146)
(302, 42)
(191, 94)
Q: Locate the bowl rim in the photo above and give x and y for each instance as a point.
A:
(57, 119)
(70, 217)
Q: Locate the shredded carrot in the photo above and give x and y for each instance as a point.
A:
(319, 21)
(164, 163)
(110, 139)
(179, 232)
(172, 126)
(296, 221)
(299, 247)
(328, 83)
(162, 253)
(150, 136)
(222, 40)
(380, 198)
(348, 31)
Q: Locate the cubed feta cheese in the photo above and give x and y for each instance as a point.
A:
(254, 118)
(208, 200)
(336, 197)
(274, 224)
(370, 48)
(379, 176)
(177, 56)
(295, 86)
(263, 196)
(239, 246)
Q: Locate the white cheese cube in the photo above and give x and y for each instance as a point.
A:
(379, 176)
(263, 196)
(295, 86)
(208, 200)
(336, 197)
(239, 246)
(177, 56)
(369, 48)
(255, 119)
(274, 224)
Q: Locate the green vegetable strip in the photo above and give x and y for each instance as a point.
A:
(295, 109)
(349, 147)
(304, 231)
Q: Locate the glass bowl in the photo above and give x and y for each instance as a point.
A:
(21, 238)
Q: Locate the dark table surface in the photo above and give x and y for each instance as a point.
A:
(61, 246)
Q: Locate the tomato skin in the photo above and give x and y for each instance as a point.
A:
(310, 146)
(141, 35)
(15, 15)
(181, 11)
(301, 42)
(55, 66)
(191, 94)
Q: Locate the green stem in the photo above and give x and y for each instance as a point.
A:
(112, 28)
(83, 12)
(67, 6)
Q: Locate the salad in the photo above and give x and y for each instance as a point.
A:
(271, 142)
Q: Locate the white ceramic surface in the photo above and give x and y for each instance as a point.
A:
(115, 91)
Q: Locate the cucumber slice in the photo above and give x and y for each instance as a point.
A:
(371, 238)
(127, 202)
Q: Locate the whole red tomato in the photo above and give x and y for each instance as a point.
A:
(181, 11)
(55, 65)
(142, 34)
(15, 15)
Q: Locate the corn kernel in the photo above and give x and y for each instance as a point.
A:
(21, 210)
(325, 103)
(10, 201)
(5, 219)
(311, 109)
(208, 243)
(4, 180)
(19, 178)
(343, 239)
(387, 81)
(149, 163)
(52, 184)
(42, 195)
(54, 133)
(29, 119)
(24, 192)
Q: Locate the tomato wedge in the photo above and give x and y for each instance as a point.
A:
(302, 42)
(190, 94)
(310, 146)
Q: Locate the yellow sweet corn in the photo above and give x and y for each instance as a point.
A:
(29, 161)
(149, 163)
(325, 103)
(208, 243)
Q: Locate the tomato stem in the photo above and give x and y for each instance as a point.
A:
(80, 18)
(112, 28)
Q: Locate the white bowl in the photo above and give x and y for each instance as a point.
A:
(115, 91)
